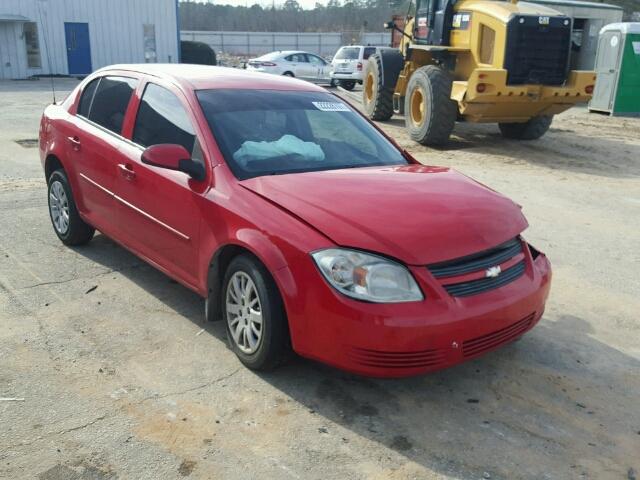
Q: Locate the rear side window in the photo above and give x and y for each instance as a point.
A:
(110, 102)
(368, 51)
(87, 97)
(162, 119)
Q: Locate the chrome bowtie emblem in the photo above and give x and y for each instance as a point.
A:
(492, 272)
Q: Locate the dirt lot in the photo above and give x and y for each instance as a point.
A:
(112, 378)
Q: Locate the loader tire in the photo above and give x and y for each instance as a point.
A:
(430, 114)
(531, 130)
(377, 99)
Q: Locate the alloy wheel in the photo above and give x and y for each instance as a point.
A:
(59, 207)
(244, 313)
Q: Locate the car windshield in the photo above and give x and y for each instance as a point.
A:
(348, 53)
(270, 132)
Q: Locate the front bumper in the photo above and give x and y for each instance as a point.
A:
(395, 340)
(499, 102)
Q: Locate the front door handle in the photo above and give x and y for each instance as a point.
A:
(127, 171)
(75, 143)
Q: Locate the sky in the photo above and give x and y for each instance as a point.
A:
(306, 4)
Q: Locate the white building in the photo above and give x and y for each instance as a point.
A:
(76, 37)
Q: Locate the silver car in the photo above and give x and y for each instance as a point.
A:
(293, 63)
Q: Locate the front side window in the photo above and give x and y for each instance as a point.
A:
(33, 45)
(268, 132)
(110, 102)
(162, 119)
(316, 60)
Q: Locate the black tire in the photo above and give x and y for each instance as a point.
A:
(78, 232)
(274, 345)
(288, 74)
(348, 84)
(531, 130)
(377, 99)
(433, 124)
(333, 83)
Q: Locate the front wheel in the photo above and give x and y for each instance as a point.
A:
(66, 221)
(253, 311)
(348, 84)
(530, 130)
(430, 114)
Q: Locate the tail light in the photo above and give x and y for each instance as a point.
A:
(588, 89)
(359, 66)
(481, 87)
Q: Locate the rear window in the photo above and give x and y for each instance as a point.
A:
(348, 53)
(110, 102)
(267, 132)
(87, 97)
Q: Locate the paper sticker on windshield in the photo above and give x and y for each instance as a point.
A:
(331, 106)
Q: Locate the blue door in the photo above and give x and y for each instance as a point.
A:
(78, 48)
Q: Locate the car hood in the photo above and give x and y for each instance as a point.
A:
(414, 213)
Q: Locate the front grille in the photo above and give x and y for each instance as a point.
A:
(537, 52)
(474, 287)
(492, 340)
(477, 261)
(385, 359)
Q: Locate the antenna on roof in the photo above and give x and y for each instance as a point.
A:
(46, 45)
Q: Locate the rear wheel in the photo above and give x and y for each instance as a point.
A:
(531, 130)
(66, 221)
(348, 84)
(288, 74)
(430, 114)
(377, 99)
(253, 311)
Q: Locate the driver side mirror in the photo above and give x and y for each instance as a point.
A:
(173, 157)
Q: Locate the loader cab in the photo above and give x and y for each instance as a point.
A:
(433, 22)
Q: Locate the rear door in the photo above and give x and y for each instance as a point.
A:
(301, 66)
(607, 61)
(158, 208)
(319, 67)
(94, 146)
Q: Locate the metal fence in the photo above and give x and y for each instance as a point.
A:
(258, 43)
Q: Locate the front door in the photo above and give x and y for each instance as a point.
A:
(607, 61)
(78, 48)
(158, 207)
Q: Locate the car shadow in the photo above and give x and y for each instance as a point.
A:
(557, 404)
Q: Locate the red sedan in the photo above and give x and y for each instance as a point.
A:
(302, 225)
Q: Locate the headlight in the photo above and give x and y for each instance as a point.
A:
(367, 277)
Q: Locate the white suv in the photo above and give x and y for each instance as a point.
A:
(348, 64)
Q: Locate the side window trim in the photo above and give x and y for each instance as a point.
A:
(78, 114)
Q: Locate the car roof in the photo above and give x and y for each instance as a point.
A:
(204, 77)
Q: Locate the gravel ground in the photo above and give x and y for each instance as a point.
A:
(107, 371)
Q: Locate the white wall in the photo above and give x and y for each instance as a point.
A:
(115, 32)
(258, 43)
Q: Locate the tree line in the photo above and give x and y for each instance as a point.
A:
(335, 16)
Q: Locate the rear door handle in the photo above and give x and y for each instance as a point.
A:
(127, 171)
(75, 143)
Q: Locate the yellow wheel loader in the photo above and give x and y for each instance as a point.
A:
(476, 61)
